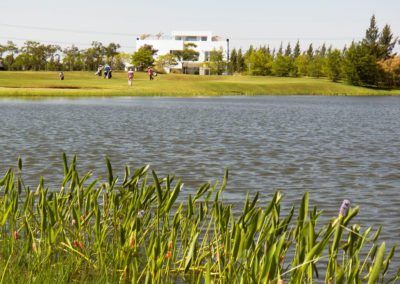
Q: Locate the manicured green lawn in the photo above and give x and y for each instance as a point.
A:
(87, 84)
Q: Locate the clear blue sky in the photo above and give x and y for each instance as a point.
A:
(254, 21)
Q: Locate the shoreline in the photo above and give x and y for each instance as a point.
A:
(85, 84)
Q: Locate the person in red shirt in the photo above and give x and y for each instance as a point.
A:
(150, 72)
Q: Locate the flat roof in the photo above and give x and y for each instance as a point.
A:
(192, 33)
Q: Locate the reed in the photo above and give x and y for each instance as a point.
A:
(139, 229)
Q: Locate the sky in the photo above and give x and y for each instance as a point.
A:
(256, 22)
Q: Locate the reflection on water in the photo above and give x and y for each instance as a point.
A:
(333, 147)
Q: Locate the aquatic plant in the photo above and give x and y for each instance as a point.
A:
(140, 229)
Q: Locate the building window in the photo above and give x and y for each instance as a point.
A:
(178, 38)
(206, 56)
(191, 38)
(203, 38)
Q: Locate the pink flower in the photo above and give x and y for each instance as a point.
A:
(344, 208)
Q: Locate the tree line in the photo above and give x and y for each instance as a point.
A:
(36, 56)
(369, 62)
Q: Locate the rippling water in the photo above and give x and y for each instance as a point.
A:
(333, 147)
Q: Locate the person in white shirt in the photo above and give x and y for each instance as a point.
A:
(130, 77)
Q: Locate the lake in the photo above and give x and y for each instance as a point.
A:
(334, 147)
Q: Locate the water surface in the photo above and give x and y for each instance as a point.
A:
(333, 147)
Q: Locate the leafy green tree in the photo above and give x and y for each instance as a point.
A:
(360, 66)
(70, 59)
(11, 49)
(121, 59)
(282, 65)
(316, 64)
(188, 53)
(334, 64)
(301, 65)
(143, 57)
(51, 51)
(110, 51)
(166, 61)
(2, 50)
(37, 55)
(259, 62)
(94, 56)
(217, 63)
(23, 61)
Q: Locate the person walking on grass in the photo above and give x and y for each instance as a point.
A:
(61, 75)
(99, 70)
(107, 71)
(130, 77)
(150, 72)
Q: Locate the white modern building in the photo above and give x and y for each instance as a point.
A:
(205, 42)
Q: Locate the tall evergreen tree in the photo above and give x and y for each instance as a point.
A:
(323, 50)
(386, 42)
(310, 51)
(296, 50)
(360, 66)
(268, 50)
(371, 38)
(273, 53)
(288, 50)
(233, 61)
(249, 51)
(280, 50)
(240, 65)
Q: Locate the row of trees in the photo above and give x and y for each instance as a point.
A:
(369, 62)
(36, 56)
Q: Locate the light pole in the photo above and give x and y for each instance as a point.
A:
(183, 47)
(227, 55)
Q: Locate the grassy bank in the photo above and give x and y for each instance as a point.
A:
(138, 229)
(87, 84)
